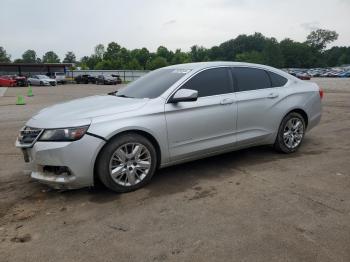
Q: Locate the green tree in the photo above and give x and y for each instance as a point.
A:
(344, 59)
(337, 56)
(320, 38)
(199, 54)
(70, 58)
(156, 63)
(216, 53)
(298, 54)
(251, 57)
(134, 65)
(112, 51)
(100, 51)
(4, 57)
(29, 56)
(180, 57)
(104, 65)
(165, 53)
(272, 53)
(142, 56)
(51, 57)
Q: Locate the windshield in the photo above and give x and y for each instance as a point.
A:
(152, 84)
(43, 77)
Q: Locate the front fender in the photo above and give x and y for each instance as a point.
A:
(152, 122)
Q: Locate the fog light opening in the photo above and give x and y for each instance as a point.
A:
(57, 170)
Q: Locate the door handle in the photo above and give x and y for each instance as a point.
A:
(227, 101)
(272, 95)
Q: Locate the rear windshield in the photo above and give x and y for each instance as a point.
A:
(152, 84)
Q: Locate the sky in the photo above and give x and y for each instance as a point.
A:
(79, 25)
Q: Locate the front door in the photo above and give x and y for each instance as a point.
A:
(206, 125)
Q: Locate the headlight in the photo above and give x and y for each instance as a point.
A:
(64, 134)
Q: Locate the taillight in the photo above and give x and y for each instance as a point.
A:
(321, 93)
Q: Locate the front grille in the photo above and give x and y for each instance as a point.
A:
(28, 135)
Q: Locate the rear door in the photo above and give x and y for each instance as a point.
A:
(257, 105)
(205, 125)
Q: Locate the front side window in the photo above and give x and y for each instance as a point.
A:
(251, 78)
(210, 82)
(152, 84)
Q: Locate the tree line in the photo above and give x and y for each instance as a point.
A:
(255, 48)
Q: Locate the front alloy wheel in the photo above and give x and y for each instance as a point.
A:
(127, 162)
(130, 164)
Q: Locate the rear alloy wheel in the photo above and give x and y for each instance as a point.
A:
(127, 163)
(291, 133)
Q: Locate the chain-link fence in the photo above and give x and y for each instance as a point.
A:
(125, 75)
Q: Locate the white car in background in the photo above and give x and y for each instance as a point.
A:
(41, 80)
(60, 77)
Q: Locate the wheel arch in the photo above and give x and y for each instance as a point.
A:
(143, 133)
(302, 113)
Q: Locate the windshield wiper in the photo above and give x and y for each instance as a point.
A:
(124, 96)
(113, 93)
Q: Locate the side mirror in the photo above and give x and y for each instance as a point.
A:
(184, 95)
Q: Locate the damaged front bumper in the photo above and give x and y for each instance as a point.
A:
(63, 165)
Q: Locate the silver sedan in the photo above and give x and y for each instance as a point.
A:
(171, 115)
(41, 80)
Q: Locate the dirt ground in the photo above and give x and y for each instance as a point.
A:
(249, 205)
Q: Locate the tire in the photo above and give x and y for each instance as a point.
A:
(290, 133)
(132, 173)
(41, 83)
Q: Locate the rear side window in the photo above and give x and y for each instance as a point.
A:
(250, 78)
(277, 80)
(210, 82)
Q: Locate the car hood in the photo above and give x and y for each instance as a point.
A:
(81, 111)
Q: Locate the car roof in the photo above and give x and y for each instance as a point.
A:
(202, 65)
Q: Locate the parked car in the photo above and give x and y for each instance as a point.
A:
(344, 74)
(20, 80)
(41, 80)
(7, 82)
(303, 76)
(106, 80)
(85, 79)
(169, 116)
(60, 77)
(119, 80)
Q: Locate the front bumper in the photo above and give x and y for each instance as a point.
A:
(77, 157)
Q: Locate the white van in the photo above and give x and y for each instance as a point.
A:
(59, 76)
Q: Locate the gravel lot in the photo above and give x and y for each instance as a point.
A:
(249, 205)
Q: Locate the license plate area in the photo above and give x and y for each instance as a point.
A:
(25, 155)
